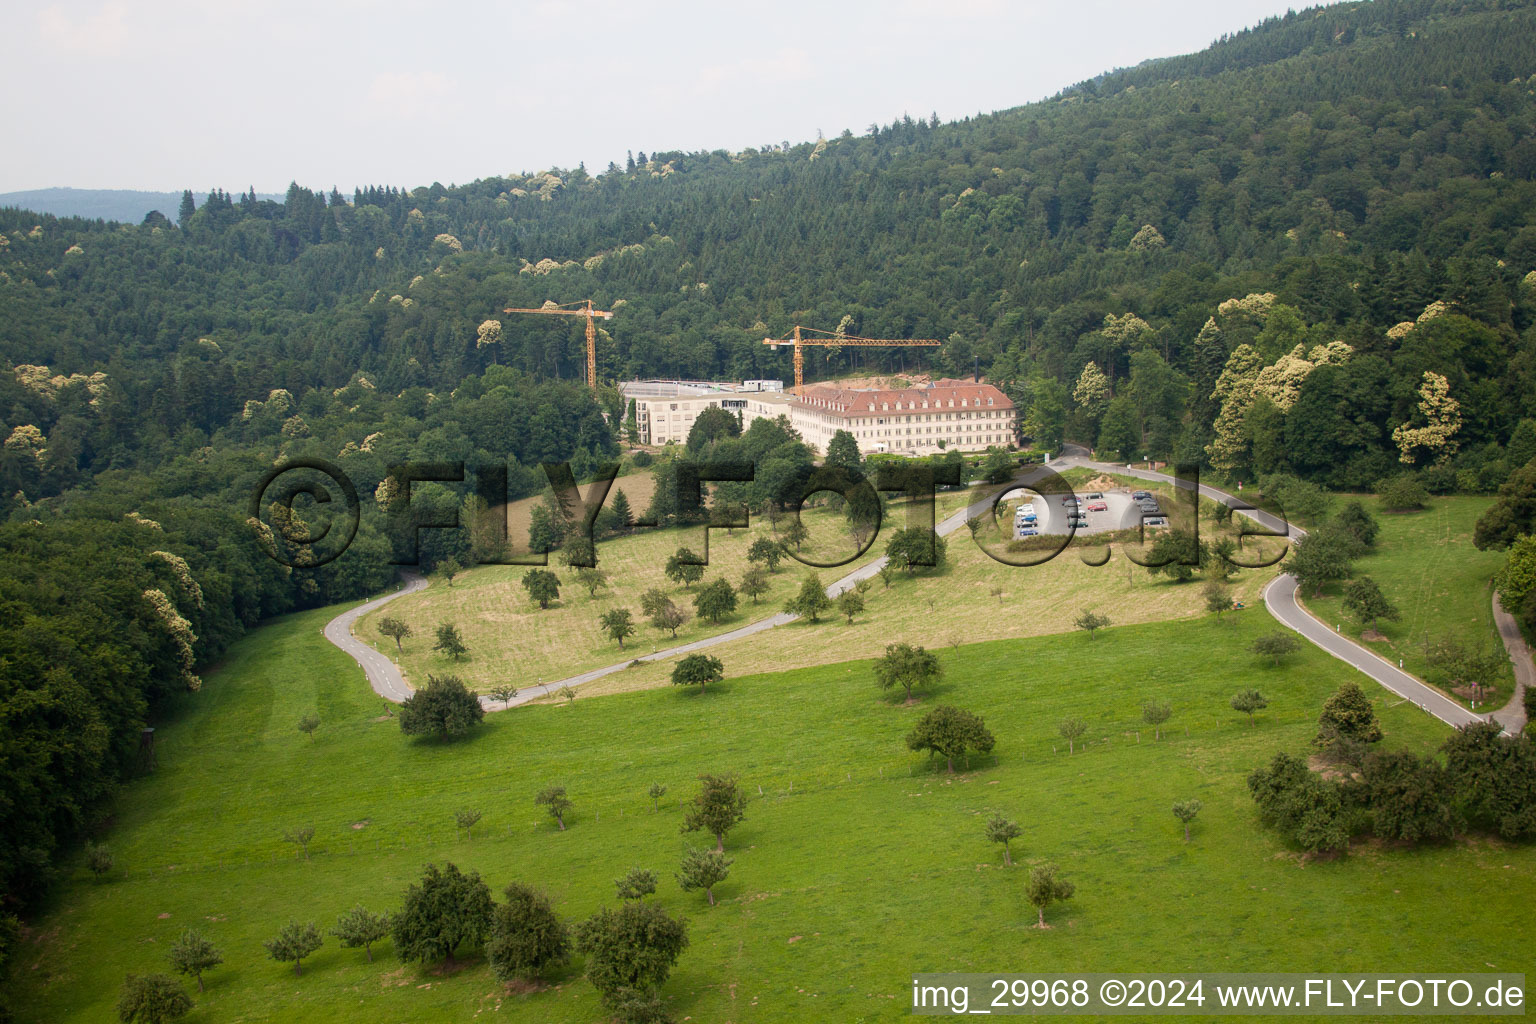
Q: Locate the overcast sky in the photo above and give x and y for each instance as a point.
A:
(172, 94)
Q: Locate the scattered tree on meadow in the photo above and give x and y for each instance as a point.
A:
(1218, 598)
(300, 837)
(1349, 714)
(1155, 713)
(656, 792)
(308, 724)
(629, 952)
(553, 798)
(717, 808)
(1276, 645)
(592, 578)
(466, 818)
(295, 942)
(444, 707)
(448, 568)
(1318, 559)
(811, 600)
(703, 869)
(1185, 811)
(542, 585)
(715, 600)
(395, 630)
(152, 999)
(361, 927)
(662, 612)
(908, 667)
(446, 909)
(526, 935)
(950, 732)
(755, 583)
(767, 552)
(1001, 830)
(1358, 523)
(636, 884)
(1249, 702)
(1072, 730)
(1403, 493)
(1364, 600)
(1410, 798)
(579, 553)
(1177, 554)
(1046, 886)
(887, 573)
(697, 669)
(1091, 621)
(98, 858)
(617, 624)
(1304, 807)
(796, 532)
(915, 547)
(503, 692)
(850, 603)
(193, 954)
(450, 642)
(682, 567)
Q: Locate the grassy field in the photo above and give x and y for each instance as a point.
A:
(858, 863)
(974, 597)
(1426, 565)
(511, 639)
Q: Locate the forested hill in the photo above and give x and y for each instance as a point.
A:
(1201, 230)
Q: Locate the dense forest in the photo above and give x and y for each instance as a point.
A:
(1309, 249)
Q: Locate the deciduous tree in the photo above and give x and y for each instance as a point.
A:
(755, 583)
(682, 567)
(909, 667)
(637, 884)
(1091, 621)
(950, 732)
(715, 600)
(618, 624)
(446, 909)
(193, 954)
(697, 670)
(294, 942)
(1185, 811)
(553, 799)
(703, 869)
(1072, 730)
(395, 630)
(152, 999)
(1249, 702)
(1046, 886)
(1275, 646)
(629, 952)
(361, 927)
(1155, 713)
(450, 642)
(444, 707)
(1001, 830)
(542, 585)
(526, 935)
(717, 808)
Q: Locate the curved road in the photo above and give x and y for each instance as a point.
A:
(1280, 598)
(384, 676)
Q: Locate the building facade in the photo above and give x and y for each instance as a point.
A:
(943, 415)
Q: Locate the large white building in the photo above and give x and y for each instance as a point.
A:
(946, 414)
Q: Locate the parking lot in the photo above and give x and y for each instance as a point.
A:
(1104, 511)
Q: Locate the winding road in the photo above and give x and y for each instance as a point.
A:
(1279, 597)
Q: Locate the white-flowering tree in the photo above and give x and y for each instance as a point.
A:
(1442, 419)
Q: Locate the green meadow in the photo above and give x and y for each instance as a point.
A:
(858, 864)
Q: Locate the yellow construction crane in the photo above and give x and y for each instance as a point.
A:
(584, 308)
(831, 339)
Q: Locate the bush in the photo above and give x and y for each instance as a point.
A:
(1402, 493)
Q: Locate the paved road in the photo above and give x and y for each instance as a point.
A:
(385, 678)
(382, 674)
(1280, 599)
(1512, 715)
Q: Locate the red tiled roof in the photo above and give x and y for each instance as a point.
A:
(938, 395)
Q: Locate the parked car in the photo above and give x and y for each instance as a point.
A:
(1029, 531)
(1095, 496)
(1077, 522)
(1070, 501)
(1029, 518)
(1155, 521)
(1098, 506)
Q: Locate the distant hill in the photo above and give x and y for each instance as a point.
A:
(120, 204)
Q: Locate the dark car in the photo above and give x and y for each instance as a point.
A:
(1141, 495)
(1077, 522)
(1070, 501)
